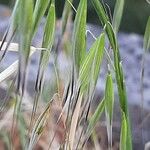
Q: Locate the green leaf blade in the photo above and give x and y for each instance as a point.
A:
(146, 44)
(40, 8)
(65, 15)
(79, 34)
(109, 105)
(25, 23)
(49, 31)
(38, 127)
(118, 11)
(95, 117)
(48, 39)
(25, 26)
(109, 97)
(98, 57)
(91, 64)
(123, 135)
(118, 70)
(100, 12)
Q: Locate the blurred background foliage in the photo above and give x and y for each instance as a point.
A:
(135, 15)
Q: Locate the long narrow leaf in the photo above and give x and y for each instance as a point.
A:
(109, 97)
(65, 15)
(90, 71)
(48, 40)
(92, 60)
(117, 16)
(120, 81)
(100, 11)
(95, 118)
(99, 52)
(147, 36)
(123, 135)
(109, 104)
(40, 8)
(38, 127)
(25, 30)
(118, 69)
(79, 33)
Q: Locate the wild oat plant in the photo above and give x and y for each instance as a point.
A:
(66, 120)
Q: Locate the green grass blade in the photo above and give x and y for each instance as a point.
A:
(124, 107)
(123, 135)
(99, 52)
(38, 127)
(86, 66)
(95, 117)
(39, 10)
(25, 24)
(118, 68)
(14, 18)
(79, 34)
(65, 15)
(100, 11)
(146, 44)
(90, 70)
(24, 34)
(48, 39)
(92, 60)
(112, 39)
(117, 16)
(104, 19)
(109, 97)
(109, 105)
(120, 80)
(49, 31)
